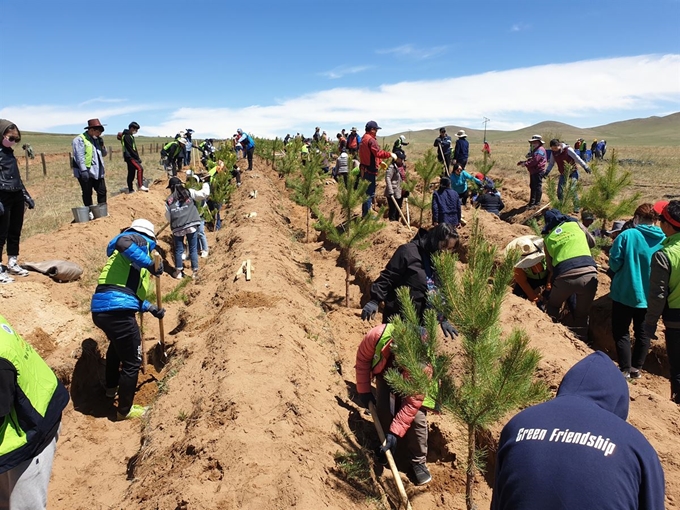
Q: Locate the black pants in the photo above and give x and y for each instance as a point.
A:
(673, 352)
(393, 213)
(622, 316)
(464, 196)
(446, 159)
(462, 163)
(249, 156)
(536, 187)
(124, 356)
(236, 173)
(99, 187)
(177, 164)
(134, 170)
(12, 221)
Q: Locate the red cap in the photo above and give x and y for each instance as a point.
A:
(659, 206)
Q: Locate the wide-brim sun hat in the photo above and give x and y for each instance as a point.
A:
(617, 226)
(536, 138)
(461, 134)
(94, 123)
(531, 249)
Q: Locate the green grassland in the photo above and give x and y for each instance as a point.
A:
(53, 143)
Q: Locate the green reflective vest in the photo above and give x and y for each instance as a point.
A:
(37, 382)
(537, 276)
(119, 272)
(134, 143)
(671, 248)
(566, 241)
(429, 401)
(89, 150)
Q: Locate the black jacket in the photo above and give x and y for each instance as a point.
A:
(129, 147)
(405, 268)
(10, 178)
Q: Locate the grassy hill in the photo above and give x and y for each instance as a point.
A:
(652, 131)
(56, 143)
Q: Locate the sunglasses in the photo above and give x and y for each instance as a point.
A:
(14, 138)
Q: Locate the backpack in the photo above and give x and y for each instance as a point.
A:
(119, 136)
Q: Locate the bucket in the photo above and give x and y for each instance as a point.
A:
(81, 214)
(99, 210)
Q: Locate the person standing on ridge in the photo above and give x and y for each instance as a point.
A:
(14, 199)
(132, 159)
(248, 145)
(462, 148)
(88, 162)
(370, 157)
(535, 163)
(32, 400)
(399, 143)
(121, 292)
(564, 156)
(353, 142)
(443, 145)
(395, 176)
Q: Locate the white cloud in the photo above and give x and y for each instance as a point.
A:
(512, 99)
(46, 116)
(518, 27)
(408, 50)
(556, 91)
(340, 71)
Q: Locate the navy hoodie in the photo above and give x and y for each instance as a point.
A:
(577, 451)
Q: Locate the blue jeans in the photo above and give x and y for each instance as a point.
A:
(202, 239)
(370, 193)
(192, 241)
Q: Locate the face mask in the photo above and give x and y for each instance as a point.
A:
(7, 143)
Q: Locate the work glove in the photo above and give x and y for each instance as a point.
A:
(157, 271)
(588, 170)
(369, 310)
(365, 399)
(29, 202)
(159, 313)
(393, 155)
(390, 443)
(448, 329)
(650, 330)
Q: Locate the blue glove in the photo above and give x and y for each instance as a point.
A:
(159, 313)
(369, 310)
(365, 399)
(448, 329)
(390, 443)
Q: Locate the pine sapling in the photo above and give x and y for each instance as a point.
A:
(427, 169)
(570, 191)
(605, 198)
(353, 233)
(497, 374)
(307, 186)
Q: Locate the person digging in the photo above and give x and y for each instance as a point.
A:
(121, 293)
(408, 420)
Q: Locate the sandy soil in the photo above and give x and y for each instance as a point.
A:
(255, 402)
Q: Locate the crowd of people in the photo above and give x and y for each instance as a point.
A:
(556, 271)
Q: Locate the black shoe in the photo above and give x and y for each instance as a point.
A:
(635, 373)
(422, 474)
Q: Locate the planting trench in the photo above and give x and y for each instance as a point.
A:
(254, 408)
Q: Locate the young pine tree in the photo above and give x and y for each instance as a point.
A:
(351, 235)
(289, 162)
(307, 186)
(427, 169)
(570, 191)
(605, 197)
(497, 373)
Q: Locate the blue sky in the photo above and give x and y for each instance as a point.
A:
(276, 67)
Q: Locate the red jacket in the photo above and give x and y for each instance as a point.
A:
(371, 155)
(409, 405)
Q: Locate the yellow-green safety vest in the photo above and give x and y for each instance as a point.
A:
(671, 248)
(89, 150)
(566, 241)
(119, 272)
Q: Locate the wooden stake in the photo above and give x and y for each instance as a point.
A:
(248, 270)
(390, 458)
(42, 157)
(407, 223)
(26, 154)
(408, 214)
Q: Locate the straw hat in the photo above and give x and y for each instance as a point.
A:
(461, 134)
(531, 248)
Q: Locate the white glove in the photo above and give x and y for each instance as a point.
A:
(393, 156)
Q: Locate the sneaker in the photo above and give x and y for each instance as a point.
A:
(422, 474)
(16, 269)
(178, 274)
(194, 275)
(626, 373)
(5, 277)
(143, 188)
(635, 373)
(204, 254)
(130, 191)
(135, 412)
(111, 392)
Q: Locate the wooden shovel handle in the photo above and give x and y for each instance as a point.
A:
(159, 298)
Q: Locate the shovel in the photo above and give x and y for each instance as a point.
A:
(159, 304)
(390, 458)
(406, 222)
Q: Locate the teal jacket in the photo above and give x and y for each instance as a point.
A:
(630, 259)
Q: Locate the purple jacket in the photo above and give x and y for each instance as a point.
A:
(538, 161)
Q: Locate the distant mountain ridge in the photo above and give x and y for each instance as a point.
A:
(659, 131)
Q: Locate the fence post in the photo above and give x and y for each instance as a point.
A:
(110, 155)
(26, 154)
(142, 150)
(42, 157)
